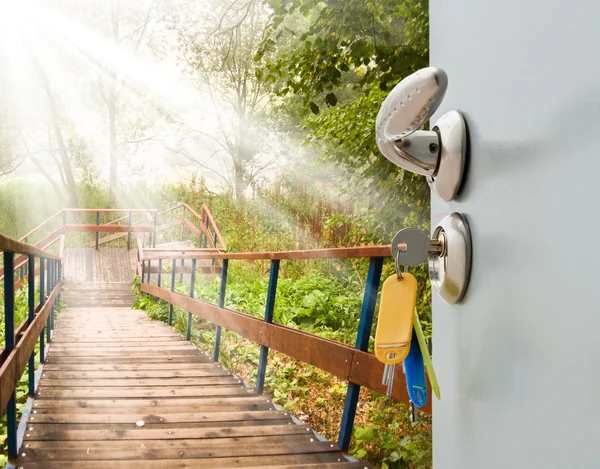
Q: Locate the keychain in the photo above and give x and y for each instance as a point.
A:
(395, 322)
(399, 336)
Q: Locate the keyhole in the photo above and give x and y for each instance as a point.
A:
(391, 355)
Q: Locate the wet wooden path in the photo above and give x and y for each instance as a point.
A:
(119, 390)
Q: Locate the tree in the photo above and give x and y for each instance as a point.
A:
(336, 60)
(220, 55)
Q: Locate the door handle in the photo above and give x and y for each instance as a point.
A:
(439, 153)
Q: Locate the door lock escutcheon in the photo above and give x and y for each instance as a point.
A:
(439, 153)
(448, 253)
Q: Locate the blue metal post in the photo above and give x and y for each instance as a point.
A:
(9, 345)
(221, 305)
(59, 278)
(362, 343)
(154, 235)
(206, 236)
(97, 232)
(129, 234)
(188, 334)
(149, 272)
(50, 286)
(215, 243)
(143, 266)
(30, 317)
(181, 271)
(159, 271)
(269, 309)
(172, 289)
(42, 301)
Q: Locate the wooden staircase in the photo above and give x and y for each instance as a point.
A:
(98, 278)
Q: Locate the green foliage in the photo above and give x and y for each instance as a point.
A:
(313, 47)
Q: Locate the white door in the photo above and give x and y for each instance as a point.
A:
(518, 359)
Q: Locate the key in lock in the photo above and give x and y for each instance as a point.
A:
(417, 247)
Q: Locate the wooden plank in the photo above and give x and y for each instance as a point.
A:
(115, 210)
(170, 381)
(85, 228)
(130, 366)
(300, 461)
(128, 426)
(191, 452)
(159, 444)
(144, 403)
(137, 392)
(333, 253)
(210, 433)
(193, 228)
(165, 419)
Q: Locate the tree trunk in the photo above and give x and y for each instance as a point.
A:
(112, 115)
(64, 154)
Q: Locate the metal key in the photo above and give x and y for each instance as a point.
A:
(388, 379)
(417, 247)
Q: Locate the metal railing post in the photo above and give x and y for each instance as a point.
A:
(221, 305)
(269, 309)
(129, 232)
(215, 242)
(172, 289)
(30, 318)
(206, 235)
(149, 272)
(181, 271)
(159, 271)
(155, 224)
(42, 301)
(188, 334)
(143, 266)
(97, 232)
(50, 286)
(362, 343)
(9, 345)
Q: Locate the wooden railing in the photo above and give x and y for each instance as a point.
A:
(20, 341)
(202, 225)
(354, 364)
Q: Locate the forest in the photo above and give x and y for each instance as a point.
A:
(263, 110)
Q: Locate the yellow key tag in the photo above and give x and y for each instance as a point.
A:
(395, 321)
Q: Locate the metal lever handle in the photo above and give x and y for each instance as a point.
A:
(439, 153)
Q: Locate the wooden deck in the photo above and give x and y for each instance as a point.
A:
(122, 391)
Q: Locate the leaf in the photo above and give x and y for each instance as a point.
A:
(331, 99)
(314, 108)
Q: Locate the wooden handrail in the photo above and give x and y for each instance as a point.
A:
(117, 210)
(214, 226)
(339, 359)
(333, 253)
(192, 227)
(183, 250)
(40, 226)
(12, 245)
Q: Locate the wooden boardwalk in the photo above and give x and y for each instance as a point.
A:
(122, 391)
